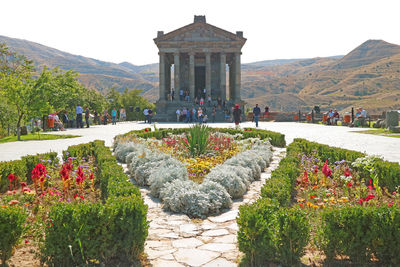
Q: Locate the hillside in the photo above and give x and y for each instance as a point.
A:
(367, 76)
(95, 74)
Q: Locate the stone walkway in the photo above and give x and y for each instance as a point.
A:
(177, 240)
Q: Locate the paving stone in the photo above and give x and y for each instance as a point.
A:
(225, 239)
(168, 257)
(153, 254)
(166, 263)
(216, 232)
(169, 235)
(220, 263)
(218, 247)
(195, 257)
(233, 227)
(225, 217)
(207, 225)
(187, 243)
(158, 244)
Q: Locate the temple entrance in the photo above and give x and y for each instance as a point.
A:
(199, 81)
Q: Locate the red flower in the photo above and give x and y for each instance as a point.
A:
(301, 205)
(360, 201)
(11, 177)
(349, 184)
(82, 197)
(91, 176)
(325, 170)
(316, 169)
(64, 173)
(369, 197)
(371, 186)
(390, 204)
(26, 241)
(146, 130)
(75, 196)
(313, 196)
(347, 172)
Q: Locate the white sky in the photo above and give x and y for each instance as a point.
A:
(118, 30)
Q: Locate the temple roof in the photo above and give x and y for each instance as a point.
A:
(199, 31)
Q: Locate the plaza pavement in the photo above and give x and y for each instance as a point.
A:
(338, 136)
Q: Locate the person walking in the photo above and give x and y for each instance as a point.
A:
(181, 94)
(146, 114)
(256, 113)
(96, 117)
(178, 114)
(150, 115)
(87, 114)
(237, 112)
(105, 117)
(200, 115)
(214, 113)
(79, 111)
(114, 116)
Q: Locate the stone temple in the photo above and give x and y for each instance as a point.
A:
(201, 60)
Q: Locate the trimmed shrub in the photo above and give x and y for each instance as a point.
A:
(12, 224)
(360, 232)
(268, 233)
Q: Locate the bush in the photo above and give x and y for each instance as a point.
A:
(12, 224)
(269, 233)
(89, 233)
(82, 234)
(360, 232)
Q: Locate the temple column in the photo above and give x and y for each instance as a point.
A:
(208, 75)
(162, 76)
(191, 75)
(176, 75)
(237, 76)
(231, 81)
(223, 76)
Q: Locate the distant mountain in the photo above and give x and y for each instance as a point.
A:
(368, 76)
(95, 73)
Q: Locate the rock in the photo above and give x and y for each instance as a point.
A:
(392, 119)
(153, 254)
(187, 243)
(394, 129)
(163, 263)
(195, 257)
(220, 263)
(218, 247)
(217, 232)
(226, 239)
(227, 216)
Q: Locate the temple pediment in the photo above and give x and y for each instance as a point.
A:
(199, 32)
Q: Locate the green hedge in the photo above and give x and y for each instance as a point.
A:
(357, 232)
(22, 168)
(110, 233)
(269, 233)
(12, 224)
(82, 234)
(361, 232)
(276, 139)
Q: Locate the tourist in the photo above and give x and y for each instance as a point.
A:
(105, 117)
(187, 96)
(146, 114)
(194, 111)
(219, 102)
(361, 116)
(187, 114)
(87, 114)
(65, 119)
(214, 113)
(205, 118)
(335, 117)
(178, 114)
(96, 117)
(57, 123)
(122, 114)
(227, 114)
(329, 117)
(114, 116)
(201, 101)
(172, 94)
(204, 93)
(237, 112)
(256, 113)
(224, 104)
(150, 116)
(79, 111)
(196, 101)
(266, 110)
(181, 94)
(209, 100)
(200, 115)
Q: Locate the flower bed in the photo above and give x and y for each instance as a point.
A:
(195, 184)
(64, 209)
(333, 200)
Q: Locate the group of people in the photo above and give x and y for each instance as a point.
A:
(193, 115)
(148, 115)
(332, 117)
(360, 117)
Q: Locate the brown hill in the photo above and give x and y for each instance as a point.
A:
(368, 76)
